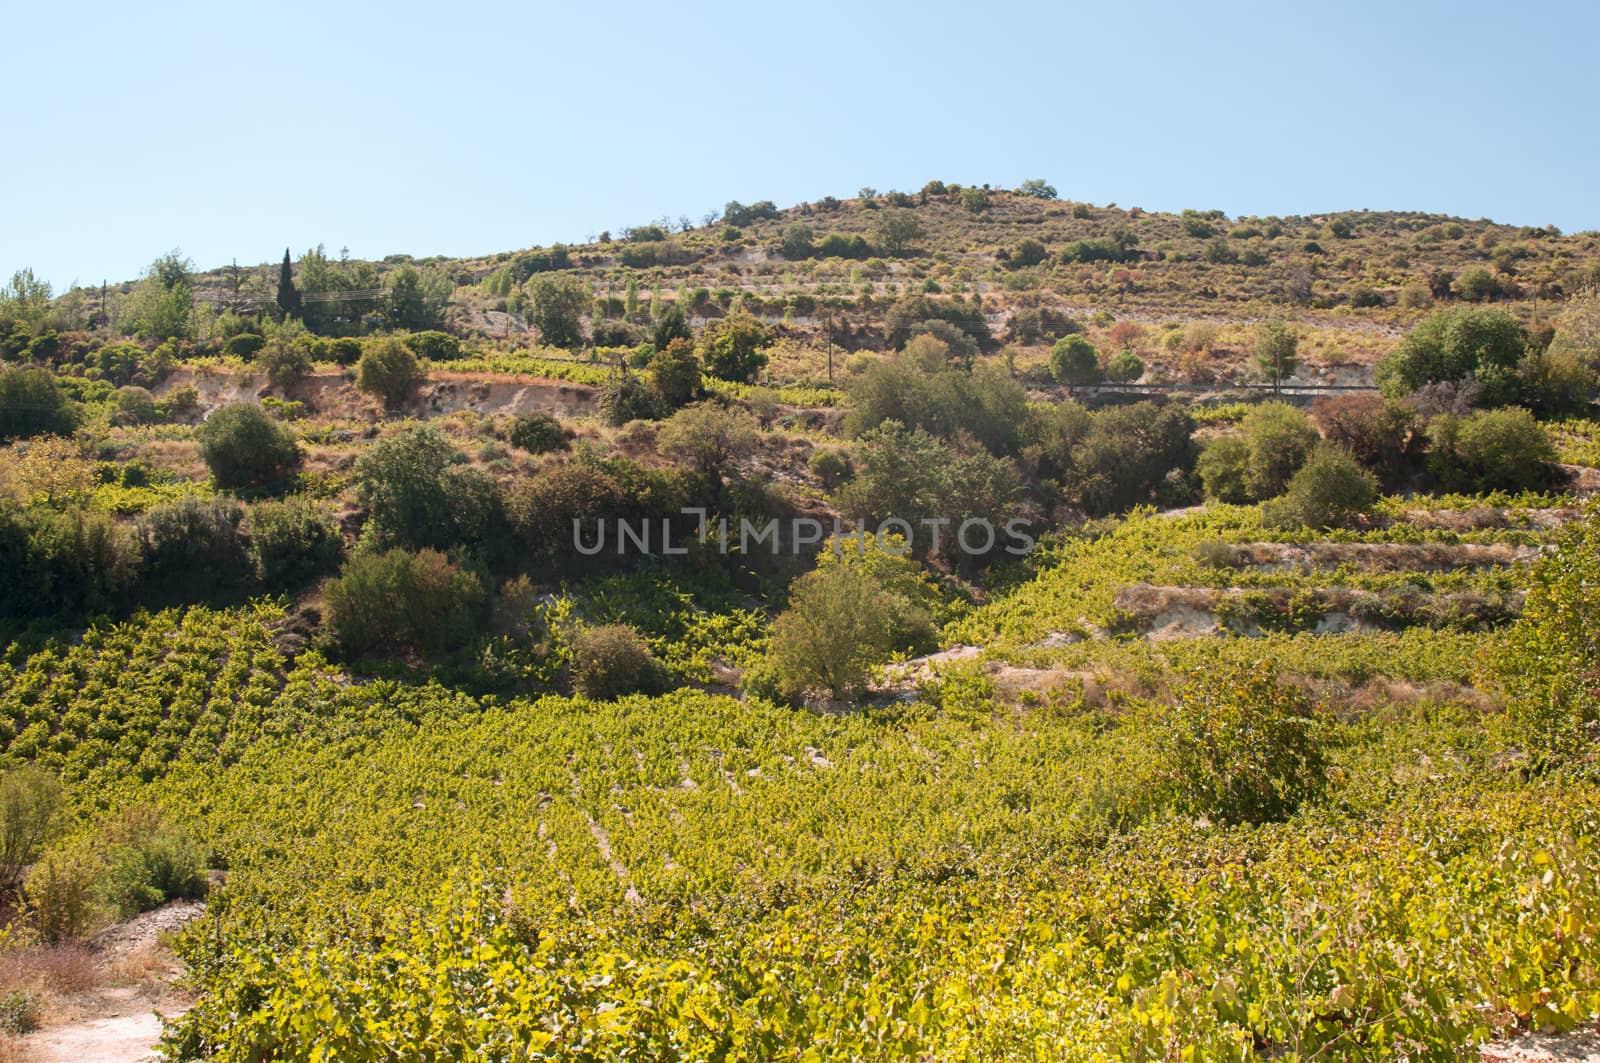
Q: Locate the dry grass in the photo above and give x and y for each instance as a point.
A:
(51, 970)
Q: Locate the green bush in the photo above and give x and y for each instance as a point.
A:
(1074, 361)
(537, 433)
(627, 397)
(244, 447)
(675, 374)
(33, 404)
(1547, 662)
(19, 1013)
(732, 348)
(61, 894)
(244, 345)
(292, 542)
(831, 466)
(839, 624)
(30, 800)
(388, 370)
(135, 406)
(1224, 468)
(148, 863)
(416, 495)
(1124, 368)
(611, 660)
(1280, 439)
(193, 549)
(1330, 489)
(1457, 344)
(399, 602)
(1245, 748)
(1492, 450)
(434, 346)
(285, 363)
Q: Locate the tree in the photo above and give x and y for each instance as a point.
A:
(559, 303)
(1129, 454)
(288, 294)
(32, 404)
(675, 374)
(1382, 434)
(23, 301)
(797, 241)
(163, 303)
(1037, 188)
(1276, 344)
(731, 348)
(244, 447)
(1125, 368)
(286, 362)
(1458, 344)
(709, 436)
(896, 230)
(1327, 491)
(1074, 361)
(30, 801)
(839, 624)
(415, 495)
(672, 325)
(417, 298)
(388, 370)
(1280, 439)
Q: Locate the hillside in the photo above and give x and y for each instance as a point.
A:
(1158, 637)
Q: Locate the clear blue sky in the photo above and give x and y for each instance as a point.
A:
(469, 127)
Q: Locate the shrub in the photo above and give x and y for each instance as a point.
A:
(537, 433)
(1548, 662)
(19, 1013)
(709, 436)
(1074, 361)
(148, 862)
(626, 397)
(731, 348)
(1224, 468)
(839, 624)
(30, 800)
(399, 602)
(388, 370)
(558, 305)
(1125, 367)
(33, 404)
(611, 660)
(1245, 748)
(416, 497)
(292, 542)
(434, 346)
(1380, 433)
(831, 466)
(1128, 454)
(1492, 450)
(60, 893)
(1455, 345)
(1330, 488)
(543, 508)
(244, 345)
(193, 549)
(286, 364)
(1280, 438)
(134, 406)
(796, 241)
(675, 374)
(244, 447)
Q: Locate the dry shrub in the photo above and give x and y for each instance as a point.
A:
(49, 969)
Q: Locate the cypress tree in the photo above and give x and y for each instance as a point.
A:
(288, 297)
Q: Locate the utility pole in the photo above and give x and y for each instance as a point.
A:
(829, 324)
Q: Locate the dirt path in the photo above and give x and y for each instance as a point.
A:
(114, 1019)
